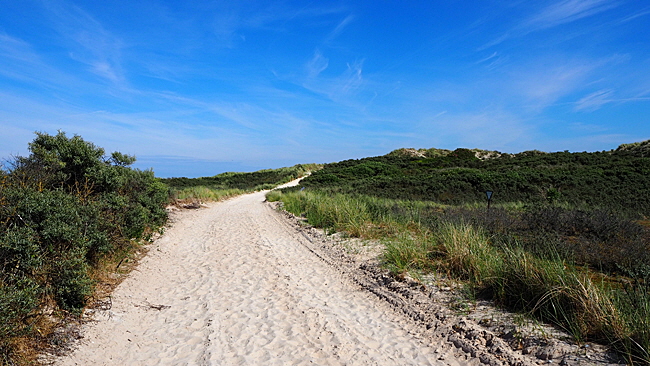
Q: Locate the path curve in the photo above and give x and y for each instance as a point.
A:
(234, 284)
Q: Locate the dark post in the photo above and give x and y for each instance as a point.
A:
(489, 198)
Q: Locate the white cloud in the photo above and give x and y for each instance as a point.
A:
(339, 28)
(339, 88)
(547, 80)
(546, 85)
(352, 78)
(493, 55)
(16, 49)
(636, 15)
(594, 100)
(19, 61)
(557, 14)
(316, 65)
(90, 43)
(566, 11)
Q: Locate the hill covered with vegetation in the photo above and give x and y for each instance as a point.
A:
(614, 180)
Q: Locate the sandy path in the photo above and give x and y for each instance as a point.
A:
(234, 284)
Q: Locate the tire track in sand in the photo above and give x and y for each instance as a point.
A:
(233, 285)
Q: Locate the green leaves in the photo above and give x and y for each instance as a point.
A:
(62, 209)
(120, 159)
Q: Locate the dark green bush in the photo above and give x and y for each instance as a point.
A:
(62, 209)
(70, 281)
(19, 297)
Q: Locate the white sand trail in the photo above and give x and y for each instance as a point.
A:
(233, 284)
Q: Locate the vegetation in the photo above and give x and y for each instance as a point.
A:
(564, 240)
(612, 180)
(231, 184)
(65, 211)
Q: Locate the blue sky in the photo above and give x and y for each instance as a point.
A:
(195, 88)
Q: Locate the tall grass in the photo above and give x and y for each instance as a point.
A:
(633, 300)
(537, 278)
(467, 252)
(204, 194)
(405, 253)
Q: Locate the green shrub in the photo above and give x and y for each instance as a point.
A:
(19, 300)
(71, 282)
(62, 210)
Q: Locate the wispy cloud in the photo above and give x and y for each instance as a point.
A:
(636, 15)
(352, 78)
(543, 82)
(339, 28)
(227, 24)
(488, 58)
(546, 85)
(558, 13)
(17, 59)
(232, 20)
(91, 43)
(20, 62)
(338, 88)
(594, 101)
(316, 65)
(493, 61)
(17, 49)
(566, 11)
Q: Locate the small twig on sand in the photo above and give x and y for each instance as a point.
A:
(153, 306)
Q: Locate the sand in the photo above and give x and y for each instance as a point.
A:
(231, 284)
(241, 283)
